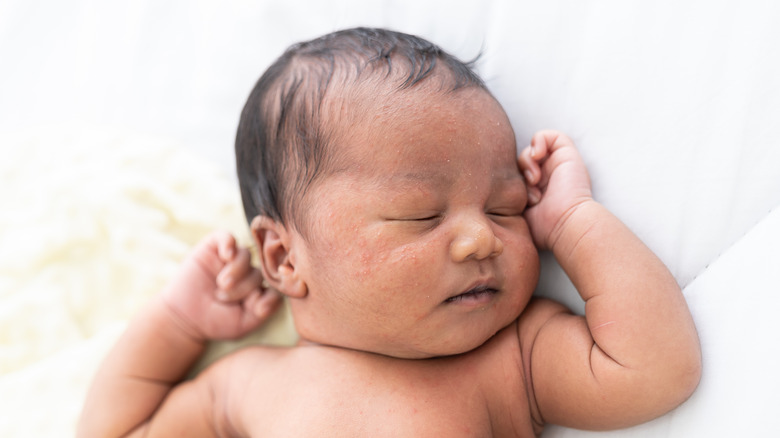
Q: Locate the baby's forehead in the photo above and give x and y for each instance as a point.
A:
(364, 113)
(421, 124)
(370, 100)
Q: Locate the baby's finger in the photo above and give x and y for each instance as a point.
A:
(534, 195)
(226, 245)
(258, 307)
(554, 140)
(208, 253)
(267, 303)
(550, 140)
(529, 166)
(242, 287)
(235, 269)
(540, 144)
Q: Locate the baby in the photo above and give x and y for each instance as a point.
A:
(388, 205)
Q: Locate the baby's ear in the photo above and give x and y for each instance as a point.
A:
(277, 263)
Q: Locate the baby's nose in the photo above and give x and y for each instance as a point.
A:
(475, 239)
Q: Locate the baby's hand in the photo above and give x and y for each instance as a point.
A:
(557, 182)
(217, 294)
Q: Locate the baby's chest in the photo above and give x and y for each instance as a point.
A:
(393, 414)
(388, 398)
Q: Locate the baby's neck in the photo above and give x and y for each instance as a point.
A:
(303, 342)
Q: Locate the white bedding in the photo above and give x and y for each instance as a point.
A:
(116, 129)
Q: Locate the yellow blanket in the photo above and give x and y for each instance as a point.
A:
(93, 223)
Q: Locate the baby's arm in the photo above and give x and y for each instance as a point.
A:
(635, 355)
(215, 295)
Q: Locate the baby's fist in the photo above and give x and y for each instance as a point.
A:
(558, 183)
(217, 293)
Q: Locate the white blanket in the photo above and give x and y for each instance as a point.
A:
(116, 129)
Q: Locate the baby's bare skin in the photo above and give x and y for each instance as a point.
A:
(413, 361)
(351, 394)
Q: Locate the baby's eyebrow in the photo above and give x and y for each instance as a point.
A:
(446, 178)
(406, 178)
(417, 176)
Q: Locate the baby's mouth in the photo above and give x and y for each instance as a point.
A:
(477, 293)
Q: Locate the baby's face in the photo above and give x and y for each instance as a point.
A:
(418, 246)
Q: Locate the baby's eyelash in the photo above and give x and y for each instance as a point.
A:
(425, 223)
(426, 218)
(505, 213)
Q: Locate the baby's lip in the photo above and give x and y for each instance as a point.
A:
(476, 289)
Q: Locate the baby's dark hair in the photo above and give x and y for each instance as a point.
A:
(283, 142)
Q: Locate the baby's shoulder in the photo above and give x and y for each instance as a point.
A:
(538, 312)
(537, 315)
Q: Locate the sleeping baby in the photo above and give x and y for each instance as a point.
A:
(388, 204)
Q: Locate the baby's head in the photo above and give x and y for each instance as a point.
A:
(380, 180)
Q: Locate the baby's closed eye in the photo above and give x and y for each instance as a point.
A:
(505, 211)
(416, 221)
(421, 217)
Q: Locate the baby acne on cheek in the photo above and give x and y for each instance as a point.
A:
(344, 242)
(378, 256)
(368, 254)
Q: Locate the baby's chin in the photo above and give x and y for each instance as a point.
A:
(410, 350)
(452, 345)
(434, 351)
(443, 351)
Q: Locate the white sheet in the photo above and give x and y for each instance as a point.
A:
(108, 109)
(739, 392)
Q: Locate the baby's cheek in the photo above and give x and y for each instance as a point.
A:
(364, 257)
(415, 268)
(525, 265)
(372, 249)
(390, 270)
